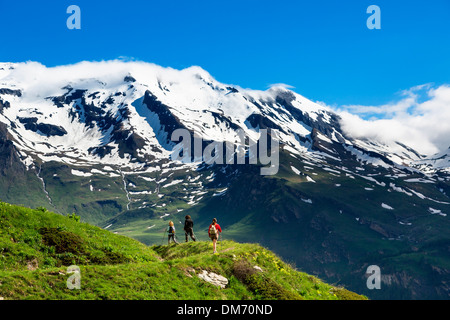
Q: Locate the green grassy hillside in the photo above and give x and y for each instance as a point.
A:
(37, 246)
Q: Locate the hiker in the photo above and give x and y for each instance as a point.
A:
(213, 232)
(189, 228)
(171, 232)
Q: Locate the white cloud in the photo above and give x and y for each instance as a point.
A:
(402, 107)
(37, 80)
(281, 85)
(421, 119)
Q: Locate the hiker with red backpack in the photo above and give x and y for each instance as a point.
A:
(213, 233)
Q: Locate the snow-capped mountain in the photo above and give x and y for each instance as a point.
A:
(119, 113)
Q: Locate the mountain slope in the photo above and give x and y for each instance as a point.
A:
(38, 246)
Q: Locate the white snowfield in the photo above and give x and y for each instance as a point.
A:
(386, 206)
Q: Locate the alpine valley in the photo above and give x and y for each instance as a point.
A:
(94, 139)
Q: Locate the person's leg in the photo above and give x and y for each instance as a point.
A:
(214, 245)
(186, 234)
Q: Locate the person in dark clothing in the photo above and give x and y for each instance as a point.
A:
(189, 228)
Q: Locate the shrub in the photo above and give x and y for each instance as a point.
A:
(242, 270)
(344, 294)
(263, 286)
(63, 241)
(108, 257)
(74, 217)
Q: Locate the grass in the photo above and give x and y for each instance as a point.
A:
(38, 246)
(27, 234)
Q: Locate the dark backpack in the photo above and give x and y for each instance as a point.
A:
(171, 230)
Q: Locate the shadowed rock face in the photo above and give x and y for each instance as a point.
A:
(168, 122)
(11, 92)
(44, 128)
(9, 160)
(4, 105)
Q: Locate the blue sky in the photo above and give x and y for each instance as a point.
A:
(321, 48)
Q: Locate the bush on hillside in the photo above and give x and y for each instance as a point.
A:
(264, 287)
